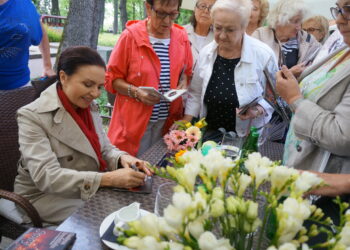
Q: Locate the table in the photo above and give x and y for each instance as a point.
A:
(85, 222)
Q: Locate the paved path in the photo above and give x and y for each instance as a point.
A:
(35, 61)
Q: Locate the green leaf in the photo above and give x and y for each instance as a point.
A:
(272, 224)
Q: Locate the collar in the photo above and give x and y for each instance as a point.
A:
(48, 100)
(138, 29)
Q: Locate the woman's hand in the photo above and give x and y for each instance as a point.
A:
(287, 85)
(252, 113)
(48, 72)
(128, 161)
(337, 184)
(147, 98)
(298, 69)
(123, 178)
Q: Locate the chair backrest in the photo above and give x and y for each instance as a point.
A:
(10, 102)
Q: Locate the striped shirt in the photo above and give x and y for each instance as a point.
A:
(161, 47)
(291, 52)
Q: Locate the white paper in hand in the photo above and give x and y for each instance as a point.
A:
(169, 96)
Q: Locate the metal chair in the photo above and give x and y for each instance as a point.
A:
(10, 102)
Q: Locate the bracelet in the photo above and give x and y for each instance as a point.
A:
(135, 94)
(129, 90)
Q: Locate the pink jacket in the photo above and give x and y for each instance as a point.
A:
(134, 60)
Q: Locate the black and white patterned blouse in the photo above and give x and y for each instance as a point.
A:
(221, 97)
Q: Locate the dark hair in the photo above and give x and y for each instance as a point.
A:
(74, 57)
(164, 2)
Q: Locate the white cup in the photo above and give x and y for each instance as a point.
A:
(126, 214)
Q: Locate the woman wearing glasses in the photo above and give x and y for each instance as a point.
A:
(293, 47)
(319, 135)
(317, 26)
(155, 53)
(199, 29)
(229, 73)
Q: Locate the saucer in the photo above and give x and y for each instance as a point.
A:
(105, 225)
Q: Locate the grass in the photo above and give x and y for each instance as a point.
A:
(55, 35)
(107, 39)
(104, 39)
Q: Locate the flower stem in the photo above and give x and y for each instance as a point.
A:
(262, 229)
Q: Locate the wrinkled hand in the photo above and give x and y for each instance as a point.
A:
(337, 184)
(287, 85)
(298, 69)
(147, 98)
(49, 72)
(128, 160)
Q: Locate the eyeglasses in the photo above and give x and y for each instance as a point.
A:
(311, 30)
(344, 11)
(163, 15)
(203, 6)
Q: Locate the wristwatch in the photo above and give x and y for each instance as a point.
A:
(294, 105)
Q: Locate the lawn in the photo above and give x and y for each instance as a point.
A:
(107, 39)
(104, 38)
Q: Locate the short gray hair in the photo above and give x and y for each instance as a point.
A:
(284, 10)
(241, 7)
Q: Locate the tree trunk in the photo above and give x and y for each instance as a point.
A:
(55, 9)
(82, 25)
(116, 16)
(102, 19)
(123, 13)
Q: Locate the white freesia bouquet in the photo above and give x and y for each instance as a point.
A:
(216, 206)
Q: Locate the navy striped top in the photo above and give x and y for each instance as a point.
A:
(161, 47)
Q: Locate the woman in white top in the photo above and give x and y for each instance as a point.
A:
(199, 29)
(229, 73)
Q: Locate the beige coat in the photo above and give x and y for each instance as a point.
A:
(307, 43)
(58, 168)
(324, 125)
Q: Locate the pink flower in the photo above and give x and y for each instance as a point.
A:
(177, 136)
(193, 139)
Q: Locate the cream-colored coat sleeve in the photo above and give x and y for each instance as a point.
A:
(328, 129)
(42, 164)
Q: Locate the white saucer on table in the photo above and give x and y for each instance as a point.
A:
(105, 225)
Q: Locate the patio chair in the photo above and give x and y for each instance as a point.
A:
(10, 102)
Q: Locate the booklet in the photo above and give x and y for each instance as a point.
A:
(271, 96)
(43, 238)
(169, 96)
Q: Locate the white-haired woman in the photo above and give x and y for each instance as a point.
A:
(199, 29)
(229, 73)
(318, 26)
(293, 47)
(260, 10)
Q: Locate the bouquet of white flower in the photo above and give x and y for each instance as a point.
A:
(215, 206)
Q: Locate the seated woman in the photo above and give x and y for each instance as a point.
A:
(319, 135)
(260, 10)
(293, 47)
(229, 73)
(65, 154)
